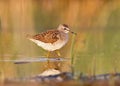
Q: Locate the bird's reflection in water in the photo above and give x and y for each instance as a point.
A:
(43, 66)
(56, 66)
(53, 65)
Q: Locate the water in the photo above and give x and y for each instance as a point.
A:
(96, 48)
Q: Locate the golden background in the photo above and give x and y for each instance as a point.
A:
(97, 23)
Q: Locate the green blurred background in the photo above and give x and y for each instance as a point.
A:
(97, 23)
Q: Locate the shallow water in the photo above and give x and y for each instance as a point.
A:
(27, 67)
(95, 50)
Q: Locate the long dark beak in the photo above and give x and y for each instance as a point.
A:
(73, 33)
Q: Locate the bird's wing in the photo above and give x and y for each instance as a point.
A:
(50, 36)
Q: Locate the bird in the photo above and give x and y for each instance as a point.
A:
(52, 40)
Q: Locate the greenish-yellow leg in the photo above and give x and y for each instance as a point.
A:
(58, 53)
(48, 54)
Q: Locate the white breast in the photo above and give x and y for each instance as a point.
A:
(52, 46)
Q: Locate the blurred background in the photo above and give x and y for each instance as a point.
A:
(97, 44)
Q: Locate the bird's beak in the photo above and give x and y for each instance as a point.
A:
(73, 33)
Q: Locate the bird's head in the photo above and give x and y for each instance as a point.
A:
(64, 28)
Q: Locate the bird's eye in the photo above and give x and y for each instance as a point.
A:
(64, 28)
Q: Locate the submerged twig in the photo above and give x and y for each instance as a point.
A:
(30, 60)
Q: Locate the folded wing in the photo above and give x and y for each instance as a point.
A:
(50, 36)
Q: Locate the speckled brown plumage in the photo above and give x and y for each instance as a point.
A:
(53, 39)
(65, 25)
(50, 36)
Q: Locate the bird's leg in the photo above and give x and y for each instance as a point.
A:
(58, 53)
(48, 62)
(48, 54)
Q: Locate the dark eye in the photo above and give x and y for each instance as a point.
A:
(64, 28)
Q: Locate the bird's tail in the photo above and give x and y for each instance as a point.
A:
(28, 36)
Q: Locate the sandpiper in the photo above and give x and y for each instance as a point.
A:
(52, 40)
